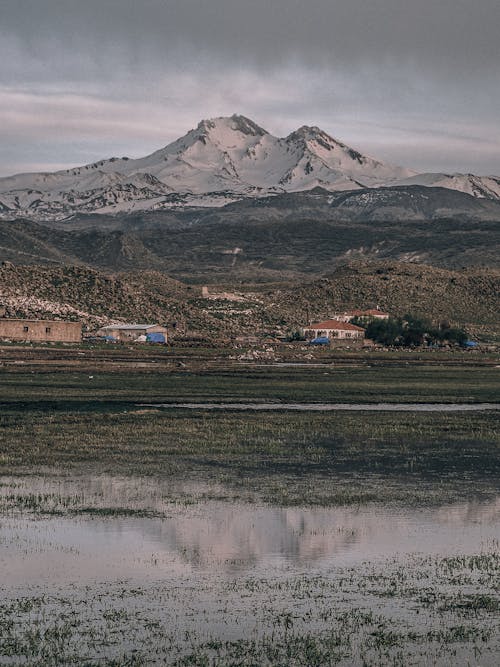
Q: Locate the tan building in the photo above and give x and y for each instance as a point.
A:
(372, 313)
(49, 331)
(334, 329)
(127, 333)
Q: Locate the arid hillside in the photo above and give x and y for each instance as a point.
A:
(469, 298)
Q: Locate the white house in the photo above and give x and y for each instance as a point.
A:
(334, 329)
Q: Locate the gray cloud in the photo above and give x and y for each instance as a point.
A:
(416, 83)
(454, 35)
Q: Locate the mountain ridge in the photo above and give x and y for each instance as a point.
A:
(220, 161)
(286, 237)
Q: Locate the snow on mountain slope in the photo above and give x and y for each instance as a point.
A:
(323, 161)
(236, 155)
(487, 187)
(221, 160)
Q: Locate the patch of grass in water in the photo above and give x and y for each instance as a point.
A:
(471, 603)
(297, 620)
(117, 512)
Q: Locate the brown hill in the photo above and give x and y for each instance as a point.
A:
(469, 297)
(466, 297)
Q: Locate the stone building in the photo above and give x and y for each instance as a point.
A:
(47, 331)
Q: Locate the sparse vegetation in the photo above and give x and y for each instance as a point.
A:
(68, 421)
(292, 620)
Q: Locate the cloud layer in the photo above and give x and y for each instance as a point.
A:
(414, 83)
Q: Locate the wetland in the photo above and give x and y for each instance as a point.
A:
(131, 534)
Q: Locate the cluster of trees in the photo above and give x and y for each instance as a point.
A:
(411, 331)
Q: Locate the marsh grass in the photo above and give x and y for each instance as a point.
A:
(285, 457)
(406, 611)
(353, 383)
(293, 620)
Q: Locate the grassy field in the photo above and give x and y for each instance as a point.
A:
(286, 458)
(79, 422)
(337, 382)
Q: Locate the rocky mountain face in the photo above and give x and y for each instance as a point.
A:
(221, 161)
(275, 238)
(413, 202)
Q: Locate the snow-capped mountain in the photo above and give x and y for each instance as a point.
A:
(222, 160)
(487, 187)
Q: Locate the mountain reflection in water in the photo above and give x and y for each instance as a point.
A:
(223, 536)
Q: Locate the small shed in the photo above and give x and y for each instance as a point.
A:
(127, 333)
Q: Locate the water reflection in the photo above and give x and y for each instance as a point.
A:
(214, 536)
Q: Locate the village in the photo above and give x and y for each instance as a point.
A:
(351, 329)
(338, 328)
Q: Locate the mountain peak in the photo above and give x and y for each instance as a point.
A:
(247, 126)
(313, 133)
(310, 130)
(234, 123)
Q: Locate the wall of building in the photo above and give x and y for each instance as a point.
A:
(127, 335)
(41, 330)
(334, 334)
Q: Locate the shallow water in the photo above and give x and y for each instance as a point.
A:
(214, 536)
(330, 407)
(208, 571)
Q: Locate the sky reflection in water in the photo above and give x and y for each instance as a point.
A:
(225, 538)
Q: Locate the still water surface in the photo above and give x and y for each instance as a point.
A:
(219, 537)
(102, 568)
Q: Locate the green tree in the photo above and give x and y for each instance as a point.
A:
(410, 331)
(387, 332)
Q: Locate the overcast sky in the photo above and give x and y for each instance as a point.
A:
(415, 82)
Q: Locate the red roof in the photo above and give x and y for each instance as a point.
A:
(334, 324)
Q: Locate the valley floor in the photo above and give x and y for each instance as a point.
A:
(136, 535)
